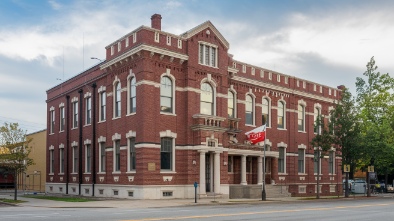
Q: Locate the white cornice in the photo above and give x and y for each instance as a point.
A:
(282, 89)
(146, 48)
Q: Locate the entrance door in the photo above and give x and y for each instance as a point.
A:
(208, 172)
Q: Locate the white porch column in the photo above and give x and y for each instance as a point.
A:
(260, 170)
(243, 170)
(202, 172)
(216, 172)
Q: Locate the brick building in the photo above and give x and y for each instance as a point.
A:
(164, 111)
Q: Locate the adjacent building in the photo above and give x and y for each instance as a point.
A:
(164, 111)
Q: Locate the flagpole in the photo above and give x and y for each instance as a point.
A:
(263, 194)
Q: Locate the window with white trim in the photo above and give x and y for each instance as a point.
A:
(249, 112)
(127, 41)
(316, 116)
(253, 71)
(298, 83)
(265, 110)
(52, 126)
(132, 154)
(335, 93)
(112, 50)
(329, 91)
(243, 68)
(206, 99)
(61, 160)
(331, 162)
(230, 104)
(132, 96)
(75, 159)
(62, 119)
(88, 158)
(208, 55)
(270, 75)
(117, 107)
(102, 156)
(278, 77)
(281, 115)
(179, 43)
(301, 117)
(134, 37)
(282, 160)
(314, 87)
(168, 40)
(316, 162)
(51, 161)
(157, 37)
(234, 64)
(75, 114)
(119, 46)
(166, 95)
(103, 105)
(286, 80)
(88, 110)
(117, 155)
(321, 89)
(304, 84)
(261, 73)
(301, 160)
(166, 153)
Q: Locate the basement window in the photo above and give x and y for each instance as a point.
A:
(167, 194)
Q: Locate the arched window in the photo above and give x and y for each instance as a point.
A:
(132, 90)
(265, 112)
(117, 100)
(206, 104)
(281, 115)
(301, 118)
(249, 110)
(166, 95)
(231, 104)
(316, 115)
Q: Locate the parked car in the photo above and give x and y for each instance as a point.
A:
(350, 184)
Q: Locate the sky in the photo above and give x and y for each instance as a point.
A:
(45, 42)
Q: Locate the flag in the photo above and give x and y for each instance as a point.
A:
(256, 135)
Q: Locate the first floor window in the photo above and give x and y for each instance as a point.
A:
(102, 157)
(117, 155)
(61, 157)
(88, 110)
(75, 159)
(301, 158)
(132, 153)
(52, 113)
(103, 104)
(75, 114)
(62, 119)
(281, 160)
(331, 160)
(52, 161)
(88, 158)
(166, 153)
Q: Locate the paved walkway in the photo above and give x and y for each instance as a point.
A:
(127, 203)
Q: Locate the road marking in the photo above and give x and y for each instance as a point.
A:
(263, 212)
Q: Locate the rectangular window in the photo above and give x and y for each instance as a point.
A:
(321, 89)
(157, 37)
(270, 75)
(329, 91)
(119, 46)
(301, 159)
(301, 115)
(261, 73)
(75, 114)
(278, 77)
(61, 157)
(88, 160)
(88, 110)
(253, 71)
(316, 161)
(102, 157)
(168, 40)
(52, 114)
(127, 41)
(286, 80)
(243, 68)
(281, 160)
(179, 43)
(103, 103)
(331, 160)
(208, 55)
(51, 161)
(62, 119)
(166, 153)
(112, 50)
(132, 154)
(281, 115)
(298, 83)
(117, 155)
(75, 159)
(314, 87)
(134, 37)
(304, 84)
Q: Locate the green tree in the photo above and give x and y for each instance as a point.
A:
(345, 127)
(16, 149)
(375, 101)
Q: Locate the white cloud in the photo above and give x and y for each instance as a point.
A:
(55, 5)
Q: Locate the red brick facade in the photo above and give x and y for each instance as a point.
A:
(206, 148)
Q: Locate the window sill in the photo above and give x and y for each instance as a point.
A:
(208, 65)
(61, 131)
(167, 172)
(130, 114)
(73, 173)
(103, 121)
(60, 174)
(51, 174)
(74, 128)
(101, 173)
(281, 129)
(51, 134)
(86, 125)
(282, 174)
(115, 118)
(332, 174)
(319, 174)
(87, 173)
(302, 131)
(131, 172)
(302, 174)
(166, 113)
(250, 125)
(116, 172)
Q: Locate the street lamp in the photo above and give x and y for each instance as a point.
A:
(93, 58)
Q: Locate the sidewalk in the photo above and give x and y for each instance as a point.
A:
(128, 203)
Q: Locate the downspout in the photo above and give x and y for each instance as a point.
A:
(67, 140)
(94, 136)
(80, 141)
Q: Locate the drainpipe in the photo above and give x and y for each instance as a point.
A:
(67, 139)
(80, 141)
(94, 136)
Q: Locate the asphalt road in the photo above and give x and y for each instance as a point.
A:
(334, 209)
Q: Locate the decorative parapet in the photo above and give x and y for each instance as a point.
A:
(208, 122)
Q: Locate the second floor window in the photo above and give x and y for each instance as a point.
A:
(62, 119)
(75, 159)
(132, 95)
(88, 110)
(52, 113)
(117, 100)
(61, 161)
(231, 105)
(117, 155)
(102, 157)
(265, 112)
(316, 116)
(301, 115)
(281, 160)
(208, 55)
(281, 115)
(166, 95)
(301, 158)
(51, 161)
(249, 110)
(75, 114)
(103, 104)
(132, 153)
(166, 153)
(88, 159)
(331, 160)
(206, 100)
